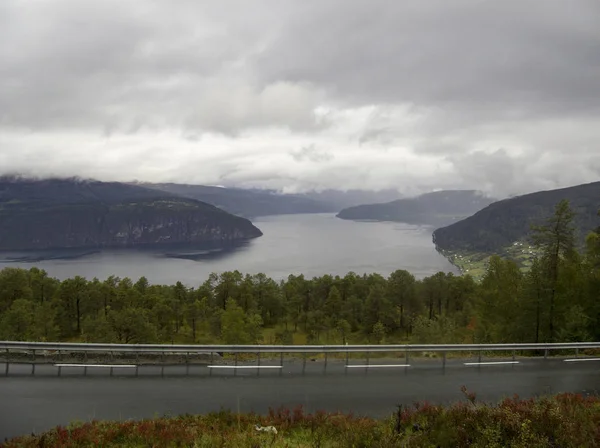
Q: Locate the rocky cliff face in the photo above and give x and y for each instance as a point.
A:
(128, 218)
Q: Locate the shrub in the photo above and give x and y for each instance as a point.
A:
(566, 420)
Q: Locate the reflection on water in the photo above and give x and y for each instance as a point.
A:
(185, 252)
(312, 245)
(208, 254)
(34, 256)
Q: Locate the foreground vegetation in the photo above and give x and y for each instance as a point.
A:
(556, 300)
(566, 420)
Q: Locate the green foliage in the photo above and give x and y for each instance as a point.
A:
(238, 327)
(440, 330)
(557, 299)
(14, 285)
(343, 329)
(43, 326)
(593, 247)
(132, 326)
(566, 420)
(379, 332)
(98, 329)
(499, 302)
(576, 325)
(556, 240)
(16, 322)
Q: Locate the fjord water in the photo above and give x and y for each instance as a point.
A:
(310, 244)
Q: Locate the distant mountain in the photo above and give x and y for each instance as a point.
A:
(343, 199)
(503, 223)
(247, 203)
(438, 208)
(70, 213)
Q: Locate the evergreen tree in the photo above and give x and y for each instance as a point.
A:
(233, 326)
(555, 240)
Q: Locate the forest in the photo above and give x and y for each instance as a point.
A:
(557, 300)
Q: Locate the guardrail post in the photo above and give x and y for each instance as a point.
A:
(258, 363)
(406, 357)
(479, 357)
(7, 362)
(576, 353)
(162, 364)
(59, 367)
(444, 361)
(303, 363)
(346, 365)
(236, 363)
(137, 363)
(546, 354)
(281, 363)
(33, 362)
(367, 363)
(211, 363)
(187, 364)
(325, 364)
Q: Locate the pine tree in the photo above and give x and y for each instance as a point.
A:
(555, 240)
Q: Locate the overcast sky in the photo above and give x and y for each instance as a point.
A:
(502, 96)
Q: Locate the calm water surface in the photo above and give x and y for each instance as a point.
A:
(312, 244)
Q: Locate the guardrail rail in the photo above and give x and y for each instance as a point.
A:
(93, 355)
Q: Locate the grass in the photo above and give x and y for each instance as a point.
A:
(475, 263)
(566, 420)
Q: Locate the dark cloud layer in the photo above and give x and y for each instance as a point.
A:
(512, 55)
(503, 96)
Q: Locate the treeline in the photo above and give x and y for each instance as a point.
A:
(557, 300)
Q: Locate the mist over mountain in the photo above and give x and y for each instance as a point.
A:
(248, 203)
(341, 199)
(438, 208)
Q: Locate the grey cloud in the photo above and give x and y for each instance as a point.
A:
(516, 54)
(311, 153)
(379, 134)
(502, 175)
(410, 95)
(120, 67)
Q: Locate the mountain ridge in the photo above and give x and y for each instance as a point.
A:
(75, 213)
(436, 208)
(509, 220)
(246, 203)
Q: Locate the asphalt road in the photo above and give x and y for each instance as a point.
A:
(37, 403)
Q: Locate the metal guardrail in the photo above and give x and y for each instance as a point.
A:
(163, 348)
(31, 352)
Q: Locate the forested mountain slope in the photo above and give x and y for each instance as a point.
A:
(502, 223)
(436, 209)
(68, 213)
